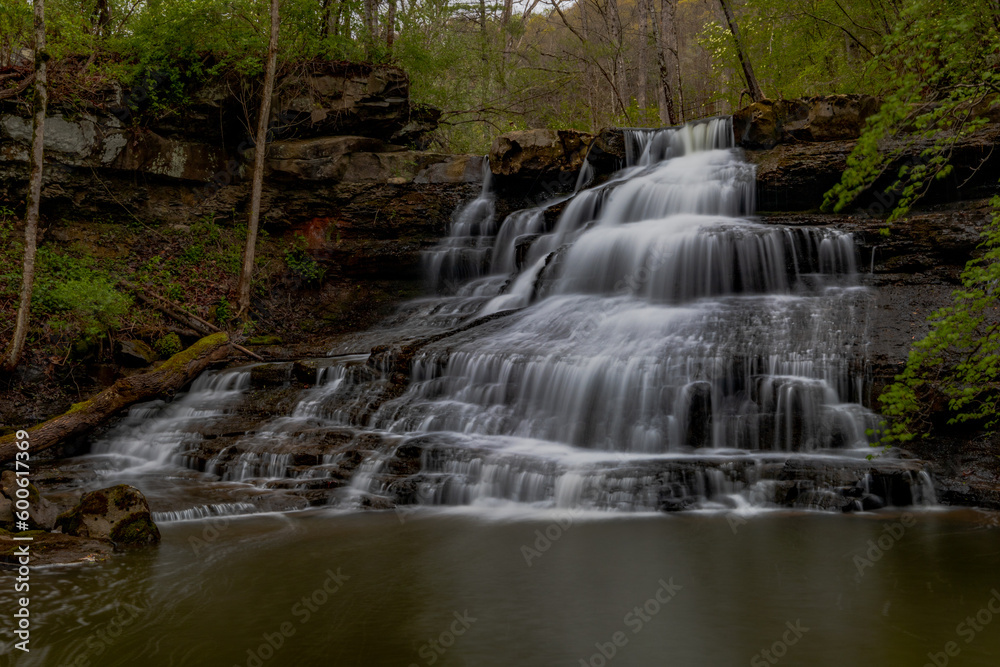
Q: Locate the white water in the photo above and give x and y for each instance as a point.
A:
(658, 319)
(660, 349)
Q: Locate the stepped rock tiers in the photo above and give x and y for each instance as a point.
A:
(645, 345)
(612, 326)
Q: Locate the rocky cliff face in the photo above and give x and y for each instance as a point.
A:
(344, 167)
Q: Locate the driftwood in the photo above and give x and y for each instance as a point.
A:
(190, 320)
(170, 376)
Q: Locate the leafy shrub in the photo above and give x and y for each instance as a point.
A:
(301, 264)
(169, 345)
(94, 301)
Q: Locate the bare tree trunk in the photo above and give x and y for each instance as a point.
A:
(390, 25)
(103, 17)
(336, 20)
(246, 277)
(617, 41)
(36, 166)
(643, 79)
(673, 52)
(324, 29)
(755, 92)
(668, 113)
(508, 42)
(371, 7)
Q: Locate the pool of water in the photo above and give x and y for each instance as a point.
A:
(500, 586)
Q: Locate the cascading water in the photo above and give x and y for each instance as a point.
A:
(642, 344)
(657, 321)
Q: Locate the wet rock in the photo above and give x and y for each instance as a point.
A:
(768, 123)
(549, 159)
(135, 354)
(868, 502)
(263, 376)
(795, 177)
(41, 513)
(699, 415)
(119, 514)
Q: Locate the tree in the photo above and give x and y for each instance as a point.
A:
(260, 140)
(752, 86)
(36, 166)
(943, 62)
(662, 25)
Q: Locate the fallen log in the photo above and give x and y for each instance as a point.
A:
(190, 320)
(166, 379)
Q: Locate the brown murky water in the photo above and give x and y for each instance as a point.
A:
(516, 587)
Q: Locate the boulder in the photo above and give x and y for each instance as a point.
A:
(119, 514)
(41, 513)
(768, 123)
(135, 354)
(550, 159)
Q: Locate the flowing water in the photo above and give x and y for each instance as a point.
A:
(643, 345)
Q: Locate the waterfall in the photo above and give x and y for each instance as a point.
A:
(642, 344)
(657, 319)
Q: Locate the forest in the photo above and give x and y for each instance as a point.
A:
(492, 67)
(488, 68)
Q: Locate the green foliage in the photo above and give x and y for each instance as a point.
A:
(168, 345)
(78, 296)
(944, 61)
(94, 301)
(223, 311)
(960, 356)
(800, 48)
(301, 264)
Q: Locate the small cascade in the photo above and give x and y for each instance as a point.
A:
(464, 254)
(655, 318)
(157, 433)
(206, 512)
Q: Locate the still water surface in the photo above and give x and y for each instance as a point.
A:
(215, 589)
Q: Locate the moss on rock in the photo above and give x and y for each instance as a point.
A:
(119, 514)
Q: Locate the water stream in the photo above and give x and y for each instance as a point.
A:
(642, 346)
